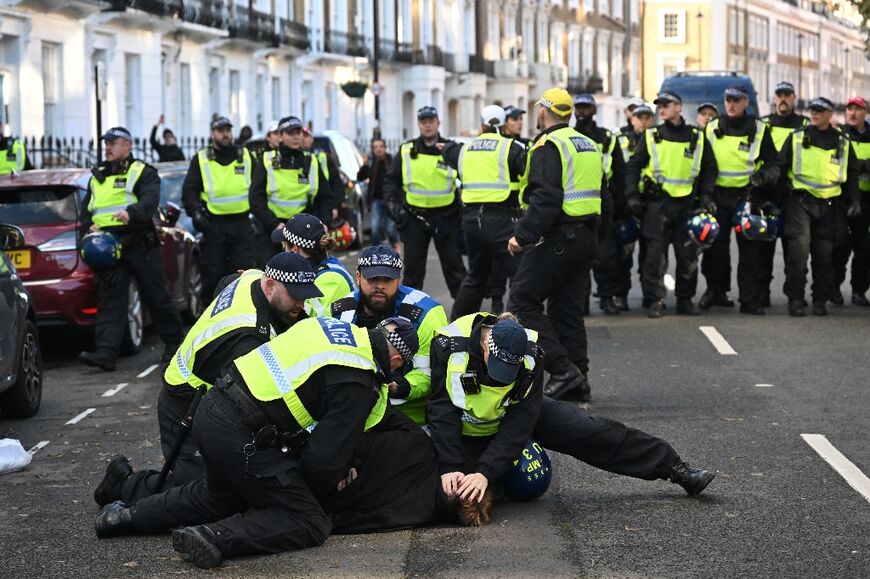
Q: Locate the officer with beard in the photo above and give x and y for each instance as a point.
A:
(380, 296)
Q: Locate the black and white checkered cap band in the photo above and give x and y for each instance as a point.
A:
(400, 346)
(386, 260)
(290, 276)
(502, 354)
(299, 241)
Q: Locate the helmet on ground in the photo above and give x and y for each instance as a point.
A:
(342, 233)
(703, 229)
(530, 475)
(753, 223)
(100, 249)
(628, 230)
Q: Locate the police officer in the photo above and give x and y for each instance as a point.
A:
(13, 157)
(606, 266)
(858, 241)
(746, 159)
(122, 196)
(707, 111)
(513, 125)
(420, 195)
(288, 181)
(490, 168)
(252, 309)
(823, 172)
(558, 235)
(670, 175)
(633, 103)
(215, 196)
(306, 235)
(379, 297)
(266, 476)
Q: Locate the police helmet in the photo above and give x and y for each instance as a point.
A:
(703, 229)
(753, 222)
(530, 476)
(100, 249)
(628, 230)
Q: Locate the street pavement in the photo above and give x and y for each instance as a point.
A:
(777, 508)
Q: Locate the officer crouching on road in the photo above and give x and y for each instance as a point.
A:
(250, 310)
(215, 195)
(567, 201)
(746, 160)
(490, 168)
(420, 196)
(672, 167)
(122, 196)
(823, 174)
(278, 434)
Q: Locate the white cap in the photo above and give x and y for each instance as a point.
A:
(635, 102)
(272, 127)
(492, 116)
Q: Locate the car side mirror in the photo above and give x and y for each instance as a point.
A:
(11, 237)
(169, 215)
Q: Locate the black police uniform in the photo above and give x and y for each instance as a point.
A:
(716, 264)
(140, 259)
(664, 217)
(212, 362)
(487, 228)
(558, 251)
(417, 227)
(227, 240)
(815, 226)
(857, 242)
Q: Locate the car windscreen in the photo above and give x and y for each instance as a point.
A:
(38, 206)
(697, 90)
(170, 187)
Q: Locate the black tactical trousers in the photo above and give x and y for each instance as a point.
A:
(857, 243)
(145, 265)
(255, 501)
(612, 265)
(172, 405)
(812, 228)
(228, 246)
(445, 228)
(554, 273)
(664, 224)
(753, 275)
(487, 230)
(716, 263)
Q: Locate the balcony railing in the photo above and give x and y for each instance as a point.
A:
(167, 8)
(576, 85)
(245, 22)
(456, 62)
(345, 43)
(212, 13)
(480, 65)
(294, 34)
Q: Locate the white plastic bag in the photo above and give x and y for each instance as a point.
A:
(12, 456)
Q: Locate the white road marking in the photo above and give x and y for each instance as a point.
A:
(39, 446)
(764, 385)
(670, 283)
(845, 467)
(147, 370)
(78, 418)
(115, 390)
(720, 343)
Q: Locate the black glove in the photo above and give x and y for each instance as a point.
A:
(706, 205)
(758, 179)
(635, 206)
(854, 210)
(200, 221)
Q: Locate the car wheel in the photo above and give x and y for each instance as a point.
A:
(194, 292)
(23, 398)
(134, 330)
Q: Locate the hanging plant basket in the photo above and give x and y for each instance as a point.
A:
(355, 89)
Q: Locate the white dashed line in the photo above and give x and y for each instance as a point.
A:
(146, 371)
(845, 467)
(39, 446)
(718, 341)
(115, 390)
(670, 283)
(78, 418)
(764, 385)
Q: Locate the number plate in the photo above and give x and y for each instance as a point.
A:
(20, 258)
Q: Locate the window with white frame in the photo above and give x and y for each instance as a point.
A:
(214, 91)
(276, 98)
(235, 97)
(260, 100)
(133, 93)
(185, 99)
(672, 26)
(51, 82)
(670, 64)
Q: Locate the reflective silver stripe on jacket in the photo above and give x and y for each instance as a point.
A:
(799, 163)
(209, 180)
(503, 182)
(660, 176)
(571, 194)
(407, 175)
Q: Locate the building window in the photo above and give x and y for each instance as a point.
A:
(670, 64)
(214, 90)
(185, 99)
(235, 96)
(260, 99)
(276, 98)
(51, 83)
(132, 93)
(672, 26)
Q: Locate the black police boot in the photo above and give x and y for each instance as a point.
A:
(752, 308)
(685, 307)
(115, 520)
(609, 307)
(98, 360)
(198, 545)
(569, 384)
(621, 303)
(109, 489)
(836, 298)
(497, 305)
(796, 308)
(694, 480)
(169, 351)
(657, 309)
(860, 300)
(706, 301)
(765, 299)
(819, 309)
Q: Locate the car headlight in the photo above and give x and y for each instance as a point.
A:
(66, 241)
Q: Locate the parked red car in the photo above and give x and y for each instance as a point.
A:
(46, 205)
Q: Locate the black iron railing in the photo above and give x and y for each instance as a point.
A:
(212, 13)
(480, 65)
(245, 22)
(49, 152)
(345, 43)
(294, 34)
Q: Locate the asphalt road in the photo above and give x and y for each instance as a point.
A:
(777, 509)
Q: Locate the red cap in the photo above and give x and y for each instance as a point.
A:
(857, 101)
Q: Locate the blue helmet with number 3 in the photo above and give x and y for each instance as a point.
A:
(100, 249)
(530, 476)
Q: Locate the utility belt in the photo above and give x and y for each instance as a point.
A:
(740, 193)
(226, 216)
(804, 196)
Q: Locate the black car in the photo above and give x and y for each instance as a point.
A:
(20, 355)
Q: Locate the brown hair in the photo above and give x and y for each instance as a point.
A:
(474, 513)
